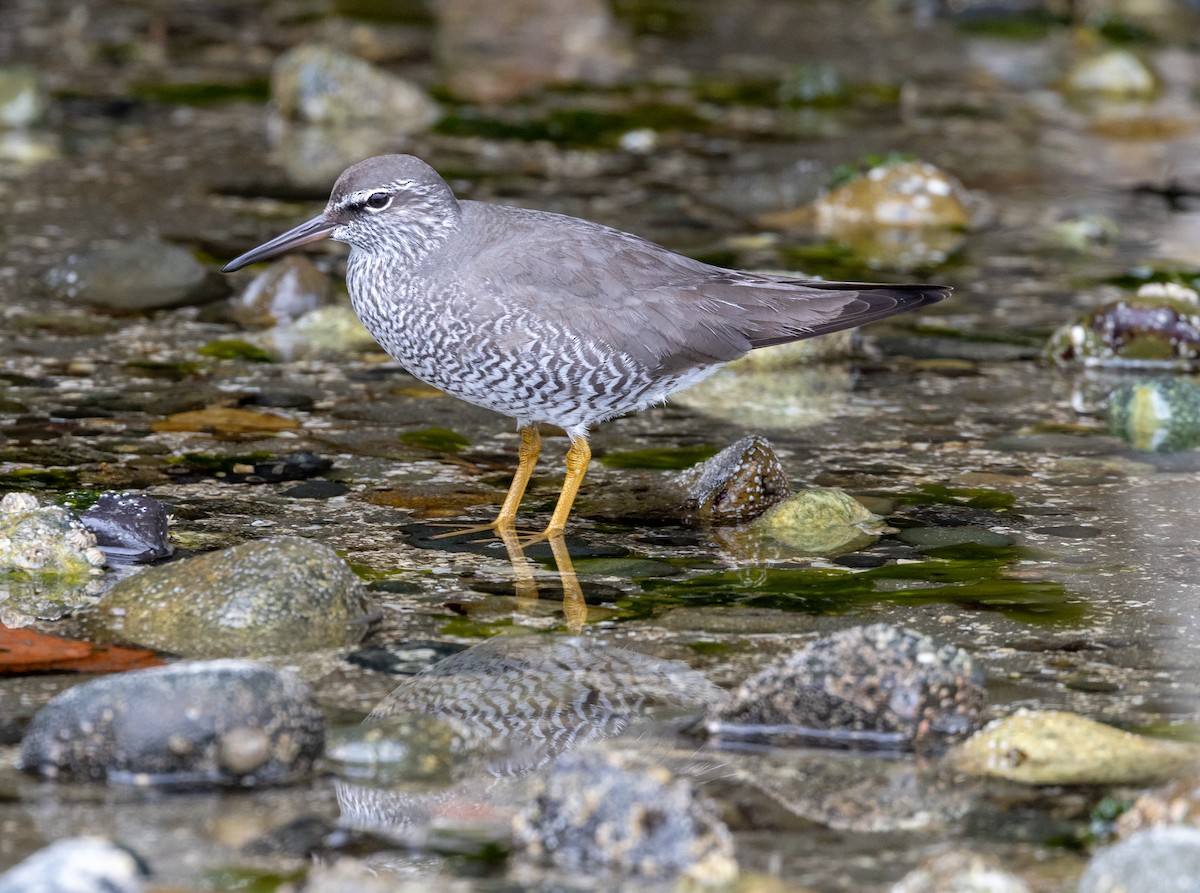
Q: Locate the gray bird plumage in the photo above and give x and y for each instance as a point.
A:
(549, 318)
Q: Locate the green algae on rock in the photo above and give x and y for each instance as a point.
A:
(1159, 414)
(1159, 327)
(279, 595)
(1052, 747)
(45, 539)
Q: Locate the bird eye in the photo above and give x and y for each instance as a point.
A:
(377, 201)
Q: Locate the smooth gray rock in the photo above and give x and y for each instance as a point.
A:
(77, 865)
(1160, 860)
(197, 723)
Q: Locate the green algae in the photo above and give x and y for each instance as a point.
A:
(972, 583)
(78, 500)
(470, 628)
(39, 479)
(441, 440)
(236, 349)
(661, 458)
(574, 127)
(657, 18)
(971, 497)
(254, 90)
(179, 371)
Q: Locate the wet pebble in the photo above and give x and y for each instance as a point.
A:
(201, 723)
(22, 100)
(77, 865)
(820, 521)
(323, 85)
(1159, 327)
(1056, 747)
(45, 539)
(960, 871)
(874, 686)
(1176, 804)
(936, 537)
(279, 595)
(1114, 74)
(135, 275)
(895, 194)
(1160, 860)
(129, 527)
(494, 54)
(282, 293)
(599, 810)
(331, 330)
(736, 485)
(1160, 414)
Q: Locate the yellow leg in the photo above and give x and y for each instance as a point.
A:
(574, 607)
(578, 457)
(527, 456)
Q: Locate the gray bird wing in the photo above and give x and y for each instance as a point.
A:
(665, 310)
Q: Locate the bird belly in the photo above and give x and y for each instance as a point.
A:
(524, 368)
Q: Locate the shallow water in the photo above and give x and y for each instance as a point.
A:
(951, 420)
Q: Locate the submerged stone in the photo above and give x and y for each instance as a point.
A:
(77, 865)
(129, 527)
(331, 330)
(1055, 747)
(200, 723)
(136, 275)
(1178, 803)
(1158, 327)
(323, 85)
(736, 485)
(820, 521)
(867, 686)
(1161, 860)
(1160, 414)
(279, 595)
(607, 811)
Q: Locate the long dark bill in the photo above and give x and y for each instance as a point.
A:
(310, 231)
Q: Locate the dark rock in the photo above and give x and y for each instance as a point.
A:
(613, 812)
(279, 399)
(136, 275)
(402, 658)
(493, 53)
(201, 723)
(868, 686)
(737, 484)
(78, 865)
(129, 527)
(274, 596)
(316, 490)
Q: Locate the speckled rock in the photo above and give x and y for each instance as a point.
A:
(129, 527)
(1157, 328)
(77, 865)
(1055, 747)
(1114, 74)
(1161, 414)
(135, 275)
(22, 100)
(895, 194)
(495, 52)
(200, 723)
(323, 85)
(45, 539)
(959, 871)
(274, 596)
(1161, 860)
(282, 293)
(521, 702)
(874, 686)
(736, 485)
(820, 521)
(598, 810)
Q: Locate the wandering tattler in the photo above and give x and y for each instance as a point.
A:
(548, 318)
